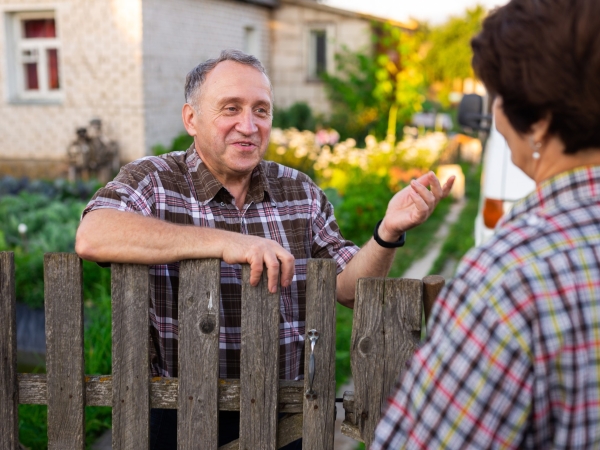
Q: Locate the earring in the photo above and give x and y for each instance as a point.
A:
(536, 147)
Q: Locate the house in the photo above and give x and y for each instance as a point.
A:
(66, 62)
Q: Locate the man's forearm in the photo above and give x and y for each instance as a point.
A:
(107, 235)
(371, 261)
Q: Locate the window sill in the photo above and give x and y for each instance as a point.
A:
(36, 101)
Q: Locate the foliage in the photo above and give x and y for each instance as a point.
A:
(377, 94)
(50, 211)
(449, 54)
(298, 116)
(181, 143)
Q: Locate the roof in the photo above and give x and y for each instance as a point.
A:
(313, 4)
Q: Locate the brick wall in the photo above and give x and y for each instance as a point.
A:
(100, 62)
(179, 34)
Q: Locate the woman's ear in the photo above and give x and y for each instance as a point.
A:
(539, 129)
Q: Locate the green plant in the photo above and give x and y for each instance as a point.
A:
(298, 116)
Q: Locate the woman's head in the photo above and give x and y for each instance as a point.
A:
(543, 58)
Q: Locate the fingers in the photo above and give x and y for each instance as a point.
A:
(448, 186)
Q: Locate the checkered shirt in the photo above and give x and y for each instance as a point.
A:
(282, 204)
(513, 358)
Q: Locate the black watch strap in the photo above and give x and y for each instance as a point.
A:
(399, 243)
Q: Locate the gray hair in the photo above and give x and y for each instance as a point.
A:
(196, 76)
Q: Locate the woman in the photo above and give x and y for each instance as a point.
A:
(513, 357)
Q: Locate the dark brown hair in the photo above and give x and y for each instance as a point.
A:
(543, 58)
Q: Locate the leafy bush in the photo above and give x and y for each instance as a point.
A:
(298, 116)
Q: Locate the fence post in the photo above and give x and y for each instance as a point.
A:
(259, 366)
(130, 366)
(319, 412)
(199, 305)
(386, 329)
(9, 394)
(63, 294)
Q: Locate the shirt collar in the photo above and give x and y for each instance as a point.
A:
(575, 187)
(208, 187)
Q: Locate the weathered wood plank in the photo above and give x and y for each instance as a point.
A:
(432, 285)
(163, 392)
(387, 323)
(199, 299)
(289, 430)
(367, 352)
(402, 310)
(9, 395)
(63, 292)
(351, 430)
(259, 366)
(319, 408)
(131, 371)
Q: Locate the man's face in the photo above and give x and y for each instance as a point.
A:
(232, 124)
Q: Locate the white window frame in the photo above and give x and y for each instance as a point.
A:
(15, 59)
(311, 63)
(251, 43)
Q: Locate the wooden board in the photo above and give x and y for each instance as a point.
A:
(386, 329)
(259, 367)
(199, 300)
(9, 398)
(63, 292)
(131, 369)
(163, 392)
(319, 412)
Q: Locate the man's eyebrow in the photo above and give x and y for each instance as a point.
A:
(223, 101)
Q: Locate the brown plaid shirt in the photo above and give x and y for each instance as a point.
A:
(282, 204)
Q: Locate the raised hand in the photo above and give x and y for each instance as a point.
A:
(413, 205)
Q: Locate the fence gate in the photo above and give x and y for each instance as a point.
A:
(387, 324)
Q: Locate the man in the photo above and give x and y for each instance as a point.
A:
(221, 200)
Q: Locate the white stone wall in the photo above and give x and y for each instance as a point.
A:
(100, 74)
(179, 34)
(291, 27)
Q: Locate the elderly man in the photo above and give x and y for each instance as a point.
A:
(220, 199)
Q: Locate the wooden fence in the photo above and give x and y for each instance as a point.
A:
(387, 324)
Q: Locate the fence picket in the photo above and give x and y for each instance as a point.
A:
(386, 327)
(259, 368)
(9, 399)
(199, 303)
(131, 373)
(319, 413)
(63, 292)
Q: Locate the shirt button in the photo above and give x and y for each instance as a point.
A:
(222, 203)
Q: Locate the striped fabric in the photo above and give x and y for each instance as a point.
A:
(513, 357)
(282, 204)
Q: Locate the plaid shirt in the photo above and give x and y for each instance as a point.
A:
(282, 204)
(513, 358)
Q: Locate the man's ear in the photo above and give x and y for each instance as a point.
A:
(188, 115)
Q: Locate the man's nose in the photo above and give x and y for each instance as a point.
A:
(246, 124)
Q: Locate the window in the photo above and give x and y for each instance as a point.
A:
(250, 41)
(34, 60)
(317, 54)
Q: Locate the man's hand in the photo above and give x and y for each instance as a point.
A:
(107, 235)
(256, 251)
(413, 205)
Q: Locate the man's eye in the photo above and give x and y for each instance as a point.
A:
(230, 109)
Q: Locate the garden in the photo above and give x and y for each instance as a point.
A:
(361, 155)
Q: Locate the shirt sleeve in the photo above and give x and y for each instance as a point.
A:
(132, 190)
(469, 386)
(327, 239)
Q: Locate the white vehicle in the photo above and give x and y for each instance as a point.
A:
(502, 184)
